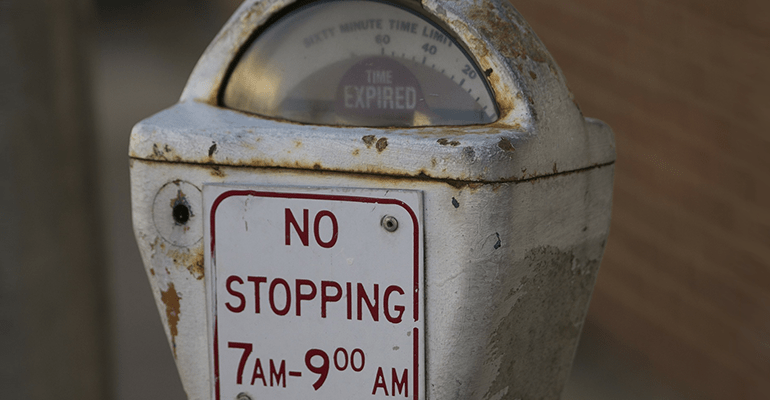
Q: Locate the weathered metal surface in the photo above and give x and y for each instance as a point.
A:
(509, 271)
(545, 129)
(199, 133)
(515, 213)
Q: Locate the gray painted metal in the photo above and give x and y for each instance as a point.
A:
(516, 213)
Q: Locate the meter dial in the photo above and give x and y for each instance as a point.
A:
(359, 63)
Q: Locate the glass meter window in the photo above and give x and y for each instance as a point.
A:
(359, 63)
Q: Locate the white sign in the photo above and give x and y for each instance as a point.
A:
(315, 293)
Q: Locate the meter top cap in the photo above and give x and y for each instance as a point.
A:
(444, 89)
(359, 63)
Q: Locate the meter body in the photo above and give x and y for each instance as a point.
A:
(373, 199)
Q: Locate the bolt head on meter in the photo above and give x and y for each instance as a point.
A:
(360, 63)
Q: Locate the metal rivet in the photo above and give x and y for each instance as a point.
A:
(243, 396)
(389, 223)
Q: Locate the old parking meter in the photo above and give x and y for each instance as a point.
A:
(362, 199)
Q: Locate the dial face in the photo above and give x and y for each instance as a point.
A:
(359, 63)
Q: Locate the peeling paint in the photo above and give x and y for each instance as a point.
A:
(381, 144)
(217, 172)
(369, 140)
(170, 297)
(447, 142)
(192, 260)
(505, 144)
(163, 153)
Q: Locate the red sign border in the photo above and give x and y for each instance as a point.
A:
(313, 196)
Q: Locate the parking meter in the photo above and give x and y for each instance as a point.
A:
(373, 199)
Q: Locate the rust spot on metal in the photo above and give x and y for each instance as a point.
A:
(381, 144)
(192, 260)
(170, 297)
(356, 152)
(152, 271)
(464, 184)
(317, 166)
(504, 103)
(369, 140)
(217, 172)
(519, 41)
(446, 142)
(488, 72)
(297, 143)
(196, 268)
(505, 144)
(180, 198)
(533, 74)
(163, 153)
(212, 149)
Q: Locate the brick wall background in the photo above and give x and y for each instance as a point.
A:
(685, 84)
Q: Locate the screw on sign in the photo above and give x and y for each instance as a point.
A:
(317, 295)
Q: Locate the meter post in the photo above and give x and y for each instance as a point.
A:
(373, 199)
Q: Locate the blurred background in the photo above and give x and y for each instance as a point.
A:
(681, 309)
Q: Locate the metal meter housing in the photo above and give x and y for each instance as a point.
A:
(508, 211)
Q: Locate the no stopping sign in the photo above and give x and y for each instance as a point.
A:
(315, 293)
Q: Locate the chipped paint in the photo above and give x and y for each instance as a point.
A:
(382, 144)
(447, 142)
(170, 297)
(217, 172)
(505, 144)
(189, 259)
(163, 152)
(369, 140)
